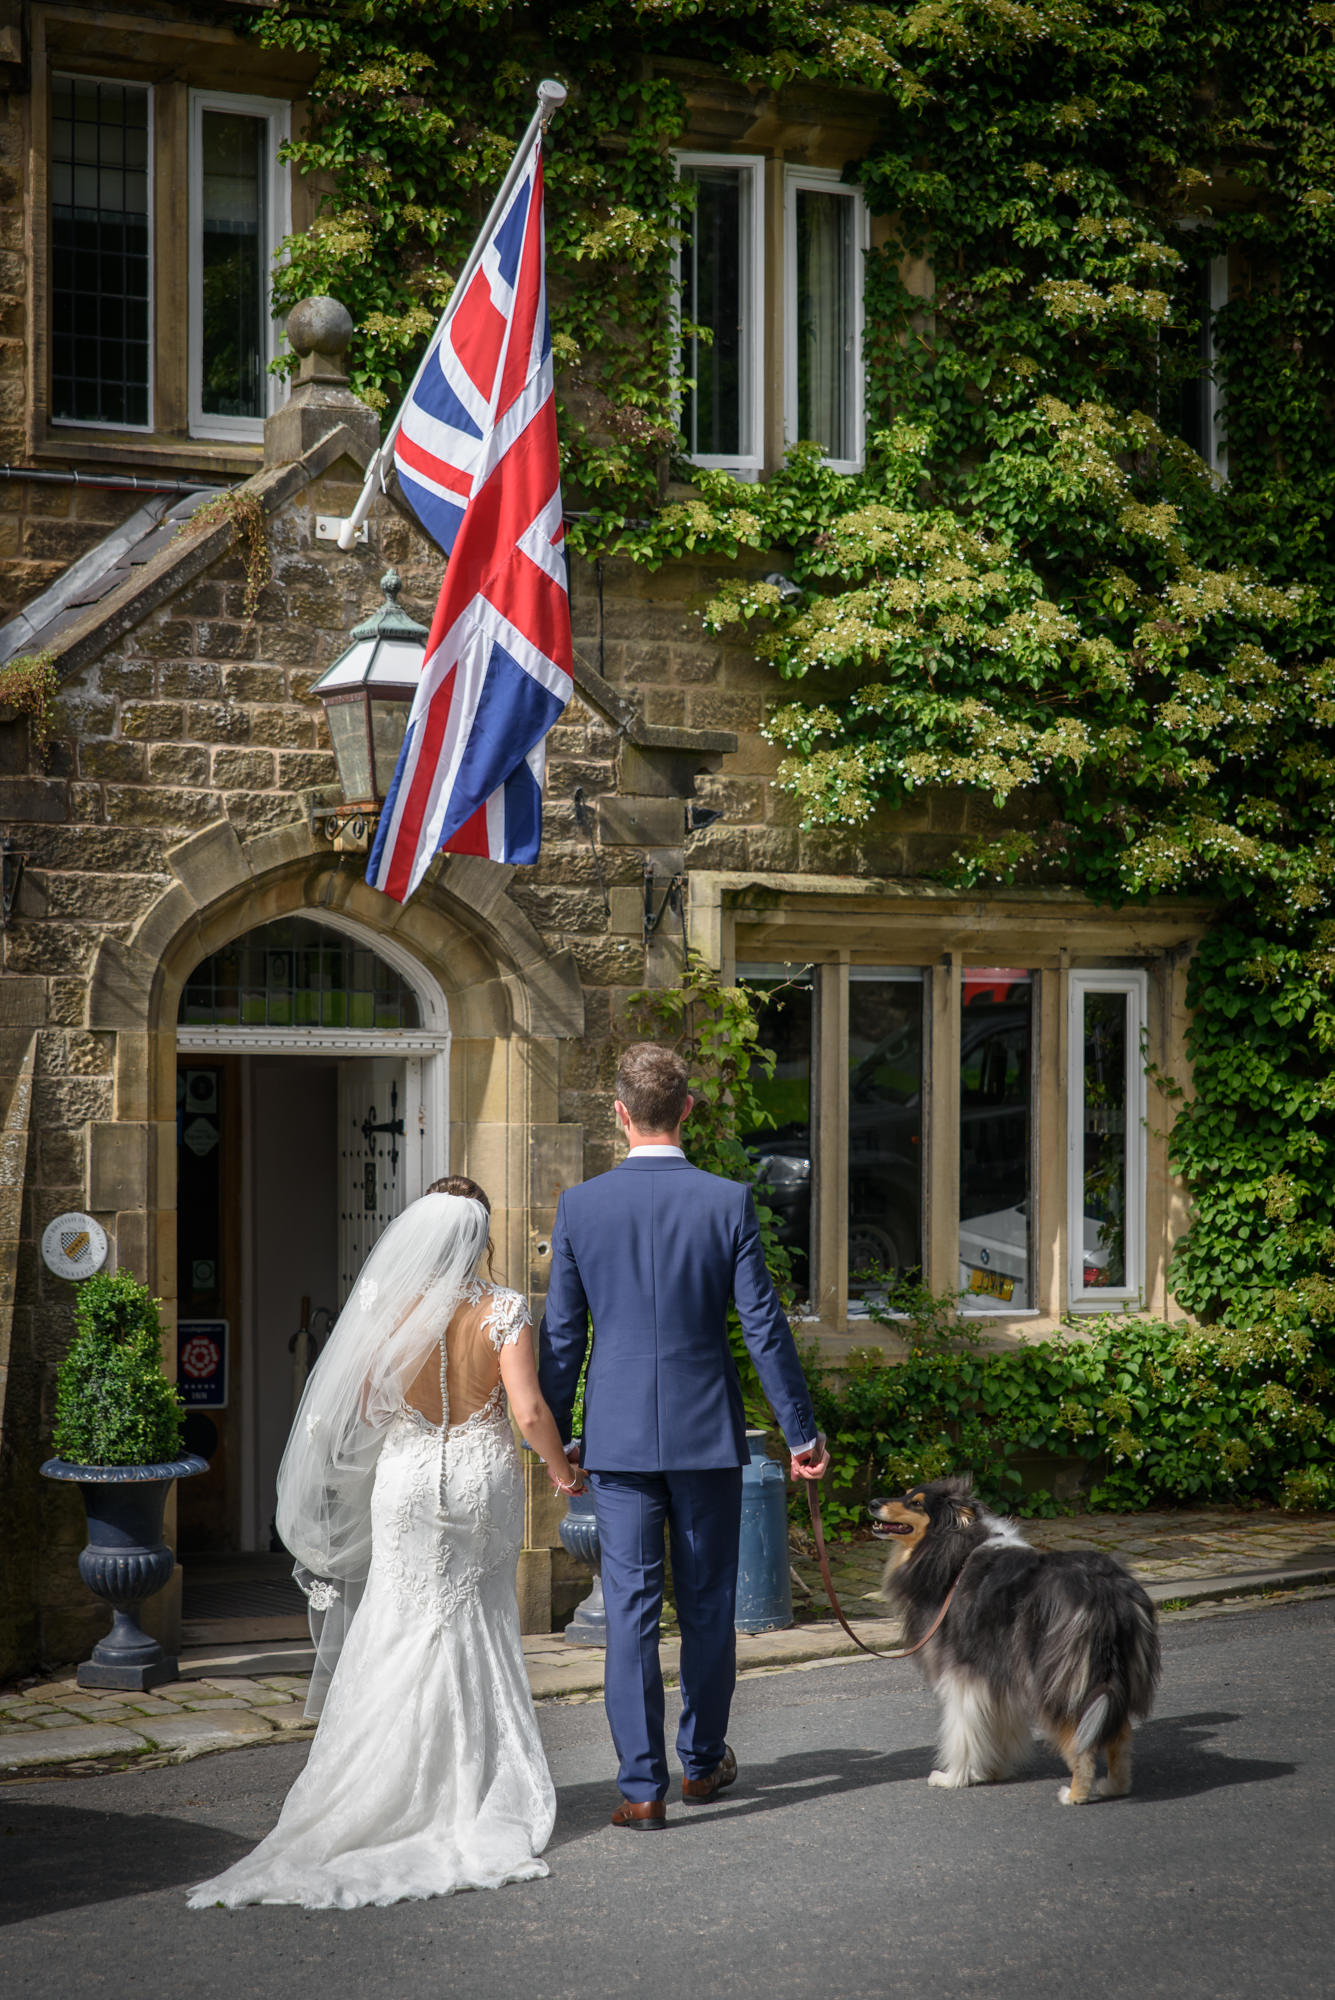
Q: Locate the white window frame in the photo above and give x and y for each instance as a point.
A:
(150, 168)
(750, 170)
(1134, 985)
(823, 180)
(277, 111)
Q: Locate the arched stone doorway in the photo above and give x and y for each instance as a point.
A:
(498, 1001)
(312, 1099)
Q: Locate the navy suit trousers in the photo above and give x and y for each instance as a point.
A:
(702, 1511)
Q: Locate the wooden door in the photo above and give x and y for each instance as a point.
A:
(378, 1155)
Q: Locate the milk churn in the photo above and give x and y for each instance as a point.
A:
(764, 1584)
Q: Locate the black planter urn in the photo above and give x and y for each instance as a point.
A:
(125, 1561)
(579, 1538)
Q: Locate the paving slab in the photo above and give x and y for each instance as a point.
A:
(21, 1749)
(189, 1736)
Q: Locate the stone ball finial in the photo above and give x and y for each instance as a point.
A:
(320, 326)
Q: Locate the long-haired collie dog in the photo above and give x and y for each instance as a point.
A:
(1062, 1644)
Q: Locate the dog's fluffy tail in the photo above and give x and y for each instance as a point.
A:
(1090, 1730)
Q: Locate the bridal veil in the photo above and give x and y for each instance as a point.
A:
(397, 1314)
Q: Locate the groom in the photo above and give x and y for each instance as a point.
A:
(653, 1253)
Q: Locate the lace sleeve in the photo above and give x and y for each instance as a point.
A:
(506, 1318)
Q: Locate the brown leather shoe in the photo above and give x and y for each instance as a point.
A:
(646, 1815)
(699, 1791)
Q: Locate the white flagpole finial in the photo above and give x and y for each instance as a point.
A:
(551, 96)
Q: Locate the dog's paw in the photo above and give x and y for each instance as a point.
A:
(1066, 1797)
(1106, 1789)
(948, 1780)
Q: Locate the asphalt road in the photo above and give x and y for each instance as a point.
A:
(830, 1870)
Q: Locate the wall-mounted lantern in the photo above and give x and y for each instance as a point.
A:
(367, 694)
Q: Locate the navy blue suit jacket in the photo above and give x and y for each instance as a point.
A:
(652, 1253)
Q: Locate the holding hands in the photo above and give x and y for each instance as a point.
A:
(576, 1483)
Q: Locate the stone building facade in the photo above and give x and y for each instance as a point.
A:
(170, 1058)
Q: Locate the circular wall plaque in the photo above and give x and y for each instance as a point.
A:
(74, 1245)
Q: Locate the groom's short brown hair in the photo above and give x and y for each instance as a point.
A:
(652, 1084)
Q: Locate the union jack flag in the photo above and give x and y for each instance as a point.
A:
(476, 456)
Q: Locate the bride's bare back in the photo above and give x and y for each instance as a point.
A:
(473, 1364)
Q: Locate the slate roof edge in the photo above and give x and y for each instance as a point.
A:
(189, 554)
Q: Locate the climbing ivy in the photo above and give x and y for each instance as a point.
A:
(1037, 590)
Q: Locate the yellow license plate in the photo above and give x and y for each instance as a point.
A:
(990, 1282)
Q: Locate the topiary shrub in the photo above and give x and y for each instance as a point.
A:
(114, 1403)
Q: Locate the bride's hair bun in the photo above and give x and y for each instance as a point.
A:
(461, 1185)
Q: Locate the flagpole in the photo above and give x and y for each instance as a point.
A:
(551, 96)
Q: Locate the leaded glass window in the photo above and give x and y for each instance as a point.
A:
(297, 973)
(99, 251)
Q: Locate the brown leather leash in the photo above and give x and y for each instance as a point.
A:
(818, 1531)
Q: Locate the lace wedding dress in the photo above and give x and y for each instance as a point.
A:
(427, 1773)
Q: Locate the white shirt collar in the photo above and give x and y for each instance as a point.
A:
(656, 1152)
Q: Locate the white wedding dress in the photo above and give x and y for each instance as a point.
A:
(427, 1772)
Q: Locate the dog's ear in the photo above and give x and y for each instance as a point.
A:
(958, 1493)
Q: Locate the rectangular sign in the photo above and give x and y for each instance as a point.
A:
(201, 1363)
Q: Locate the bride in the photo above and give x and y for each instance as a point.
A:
(400, 1495)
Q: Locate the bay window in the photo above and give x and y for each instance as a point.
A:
(977, 1129)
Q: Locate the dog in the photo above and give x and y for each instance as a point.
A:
(1062, 1645)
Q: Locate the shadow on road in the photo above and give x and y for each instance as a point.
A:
(1174, 1759)
(59, 1857)
(798, 1779)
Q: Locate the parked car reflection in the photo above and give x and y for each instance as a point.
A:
(885, 1142)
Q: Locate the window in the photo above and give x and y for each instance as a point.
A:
(931, 1124)
(825, 238)
(297, 973)
(101, 303)
(996, 1180)
(885, 1079)
(1198, 416)
(167, 205)
(782, 1149)
(720, 277)
(237, 218)
(1106, 1139)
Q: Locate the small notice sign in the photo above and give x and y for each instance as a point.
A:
(201, 1363)
(74, 1245)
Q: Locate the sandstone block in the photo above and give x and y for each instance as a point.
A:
(178, 764)
(243, 770)
(641, 822)
(298, 769)
(190, 680)
(129, 679)
(23, 1003)
(155, 720)
(217, 722)
(113, 758)
(254, 683)
(40, 799)
(210, 864)
(117, 1167)
(169, 806)
(283, 728)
